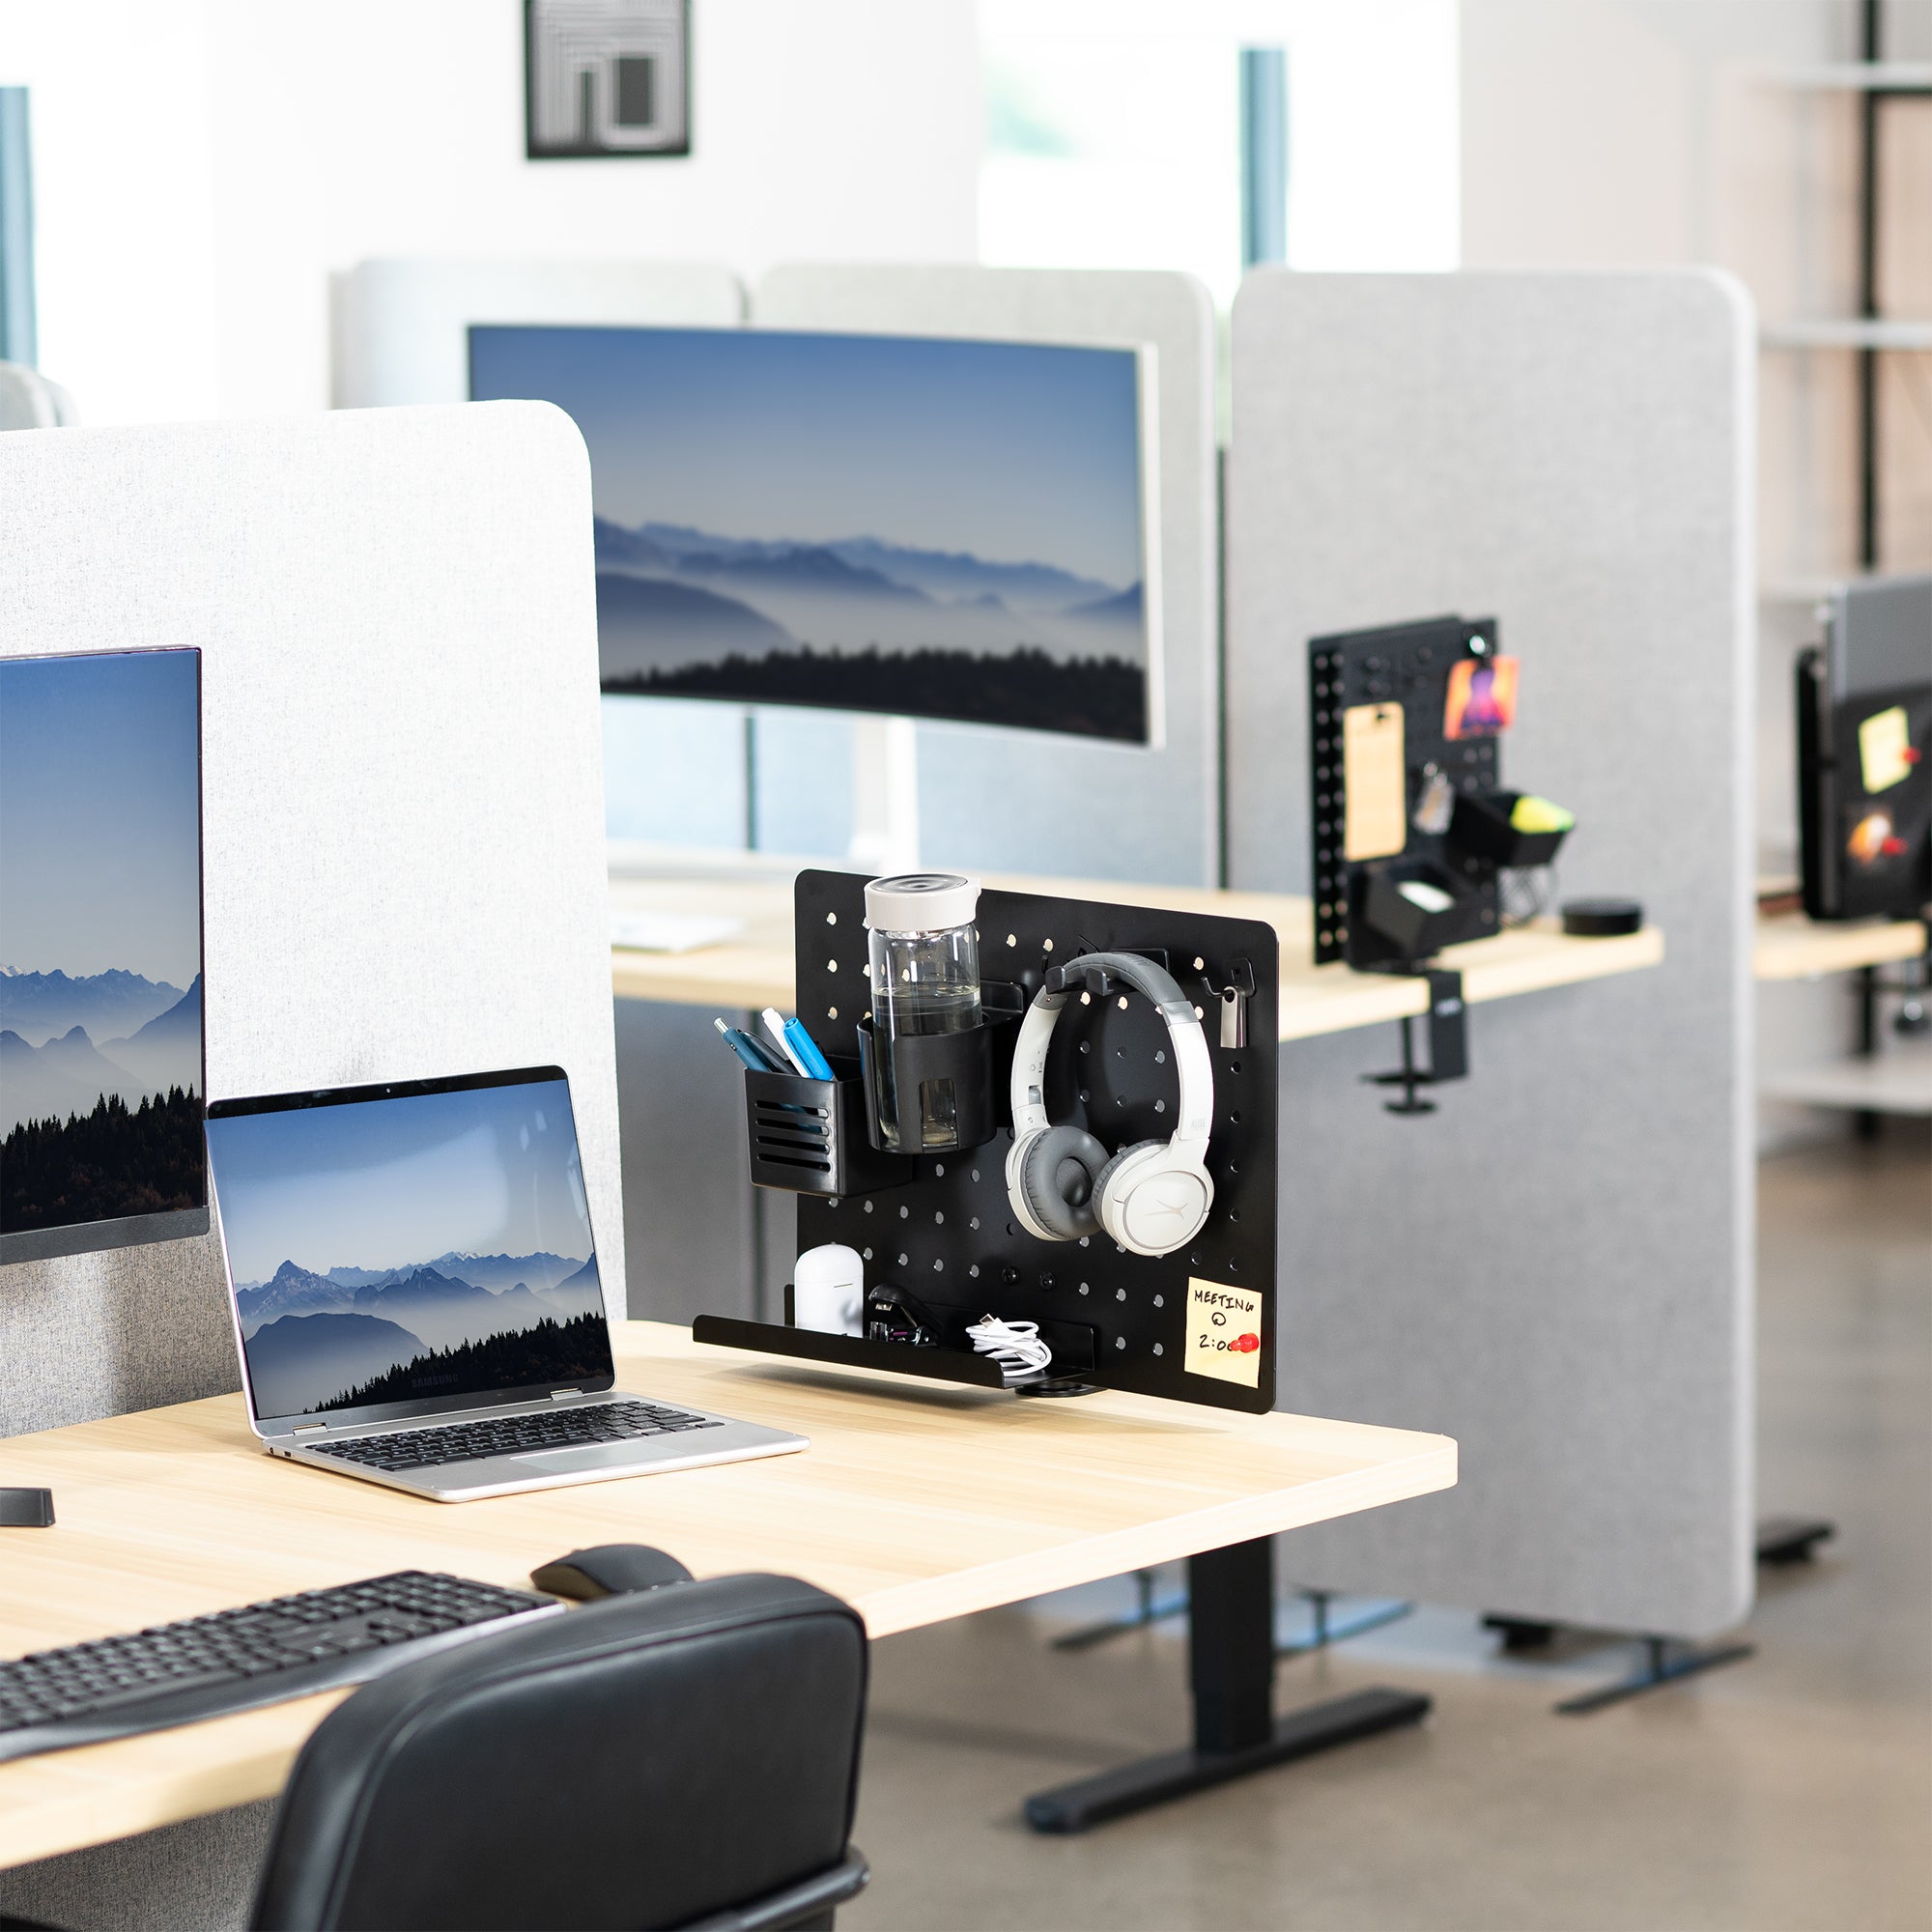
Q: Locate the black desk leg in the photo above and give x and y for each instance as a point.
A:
(1231, 1670)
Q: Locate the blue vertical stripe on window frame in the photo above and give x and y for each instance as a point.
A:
(17, 231)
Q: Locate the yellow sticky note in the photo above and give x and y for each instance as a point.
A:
(1375, 822)
(1885, 749)
(1224, 1333)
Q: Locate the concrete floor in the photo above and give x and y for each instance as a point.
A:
(1794, 1790)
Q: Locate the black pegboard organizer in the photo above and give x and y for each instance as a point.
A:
(1405, 665)
(939, 1225)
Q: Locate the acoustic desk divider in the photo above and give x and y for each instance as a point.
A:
(939, 1225)
(1573, 451)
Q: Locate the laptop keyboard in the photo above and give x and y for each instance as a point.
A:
(237, 1660)
(513, 1435)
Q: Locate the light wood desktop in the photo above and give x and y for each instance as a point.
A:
(916, 1502)
(1791, 946)
(755, 969)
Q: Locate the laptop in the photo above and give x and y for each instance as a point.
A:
(415, 1292)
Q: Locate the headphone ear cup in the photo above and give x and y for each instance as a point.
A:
(1159, 1205)
(1058, 1174)
(1105, 1180)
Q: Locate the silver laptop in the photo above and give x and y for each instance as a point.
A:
(415, 1292)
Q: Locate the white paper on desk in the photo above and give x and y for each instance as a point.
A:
(671, 931)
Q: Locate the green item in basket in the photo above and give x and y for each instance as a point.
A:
(1530, 814)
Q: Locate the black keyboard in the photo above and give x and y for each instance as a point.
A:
(237, 1659)
(513, 1435)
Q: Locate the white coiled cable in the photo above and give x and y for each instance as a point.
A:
(1016, 1347)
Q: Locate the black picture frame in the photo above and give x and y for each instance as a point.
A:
(636, 70)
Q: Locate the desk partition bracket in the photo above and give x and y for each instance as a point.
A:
(1231, 1653)
(1448, 1045)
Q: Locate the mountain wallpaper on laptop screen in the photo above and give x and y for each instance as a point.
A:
(398, 1249)
(100, 1018)
(938, 528)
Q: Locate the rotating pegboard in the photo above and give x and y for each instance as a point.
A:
(940, 1226)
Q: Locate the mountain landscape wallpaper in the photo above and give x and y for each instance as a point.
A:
(101, 1021)
(929, 526)
(394, 1250)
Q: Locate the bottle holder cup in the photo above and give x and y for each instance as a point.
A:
(1481, 826)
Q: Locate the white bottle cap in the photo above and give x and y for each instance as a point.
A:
(921, 902)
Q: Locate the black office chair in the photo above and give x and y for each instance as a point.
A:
(685, 1757)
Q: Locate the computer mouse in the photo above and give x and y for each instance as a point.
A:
(611, 1570)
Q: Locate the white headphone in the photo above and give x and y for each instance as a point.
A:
(1152, 1197)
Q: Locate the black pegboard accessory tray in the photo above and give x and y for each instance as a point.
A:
(939, 1225)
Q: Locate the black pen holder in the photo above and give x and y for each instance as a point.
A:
(808, 1136)
(1418, 931)
(1481, 827)
(942, 1084)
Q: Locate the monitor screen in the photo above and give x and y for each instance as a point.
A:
(101, 1031)
(926, 526)
(406, 1247)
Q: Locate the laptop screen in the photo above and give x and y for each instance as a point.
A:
(400, 1249)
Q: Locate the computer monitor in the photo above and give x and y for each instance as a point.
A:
(920, 527)
(100, 1011)
(1864, 705)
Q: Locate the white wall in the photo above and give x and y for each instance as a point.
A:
(203, 165)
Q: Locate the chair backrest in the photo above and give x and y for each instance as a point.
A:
(647, 1761)
(29, 401)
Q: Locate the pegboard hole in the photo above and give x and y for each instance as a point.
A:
(865, 1254)
(1160, 1106)
(905, 1213)
(1158, 1349)
(939, 1170)
(1200, 964)
(1046, 946)
(1233, 1167)
(902, 1260)
(1012, 939)
(831, 965)
(1083, 1240)
(939, 1268)
(1120, 1341)
(832, 918)
(1233, 1066)
(1236, 1116)
(1123, 1003)
(1234, 1213)
(1120, 1295)
(868, 1207)
(938, 1219)
(974, 1222)
(1086, 1000)
(1083, 1288)
(1160, 1301)
(1160, 1056)
(1199, 1014)
(832, 1012)
(976, 1174)
(973, 1272)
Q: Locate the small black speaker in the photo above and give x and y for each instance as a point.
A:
(1602, 918)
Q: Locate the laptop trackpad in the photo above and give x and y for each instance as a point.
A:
(592, 1456)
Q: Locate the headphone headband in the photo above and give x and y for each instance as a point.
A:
(1192, 1065)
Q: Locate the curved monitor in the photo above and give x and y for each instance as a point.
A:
(100, 1014)
(924, 526)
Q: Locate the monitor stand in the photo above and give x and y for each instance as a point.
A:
(884, 795)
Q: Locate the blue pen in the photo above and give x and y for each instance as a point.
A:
(751, 1051)
(801, 1046)
(806, 1048)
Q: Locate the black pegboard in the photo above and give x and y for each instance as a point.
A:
(948, 1233)
(1406, 665)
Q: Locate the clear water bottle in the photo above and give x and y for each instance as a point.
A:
(925, 952)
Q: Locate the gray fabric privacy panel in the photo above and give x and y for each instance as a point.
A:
(403, 820)
(1022, 801)
(401, 326)
(1557, 1267)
